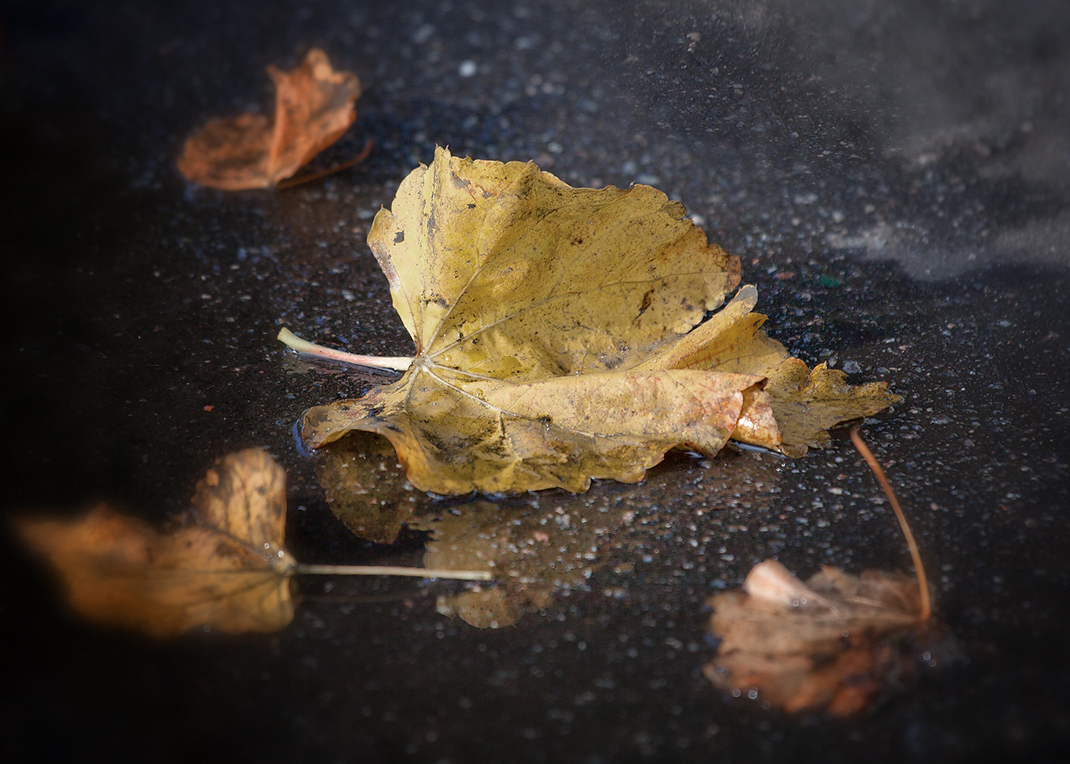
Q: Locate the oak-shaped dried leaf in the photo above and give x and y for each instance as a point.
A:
(224, 566)
(831, 643)
(313, 108)
(566, 334)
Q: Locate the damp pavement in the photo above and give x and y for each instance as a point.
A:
(894, 176)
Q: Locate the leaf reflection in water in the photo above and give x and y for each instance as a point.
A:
(533, 550)
(366, 487)
(543, 543)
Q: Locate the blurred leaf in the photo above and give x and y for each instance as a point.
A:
(830, 644)
(223, 566)
(313, 108)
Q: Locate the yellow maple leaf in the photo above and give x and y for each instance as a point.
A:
(564, 334)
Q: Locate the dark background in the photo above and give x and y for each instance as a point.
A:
(894, 176)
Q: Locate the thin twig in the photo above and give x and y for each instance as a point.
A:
(923, 584)
(391, 570)
(291, 340)
(291, 182)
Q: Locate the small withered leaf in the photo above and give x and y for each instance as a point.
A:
(313, 108)
(828, 644)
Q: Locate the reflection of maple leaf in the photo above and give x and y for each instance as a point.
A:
(565, 334)
(366, 488)
(313, 108)
(824, 644)
(224, 566)
(534, 550)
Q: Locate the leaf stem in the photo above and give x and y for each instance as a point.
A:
(291, 182)
(390, 570)
(923, 584)
(291, 340)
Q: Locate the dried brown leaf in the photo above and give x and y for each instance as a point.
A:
(313, 108)
(827, 644)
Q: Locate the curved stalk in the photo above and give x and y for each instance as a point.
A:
(291, 182)
(291, 340)
(923, 584)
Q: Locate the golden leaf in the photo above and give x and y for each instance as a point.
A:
(223, 567)
(313, 108)
(566, 334)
